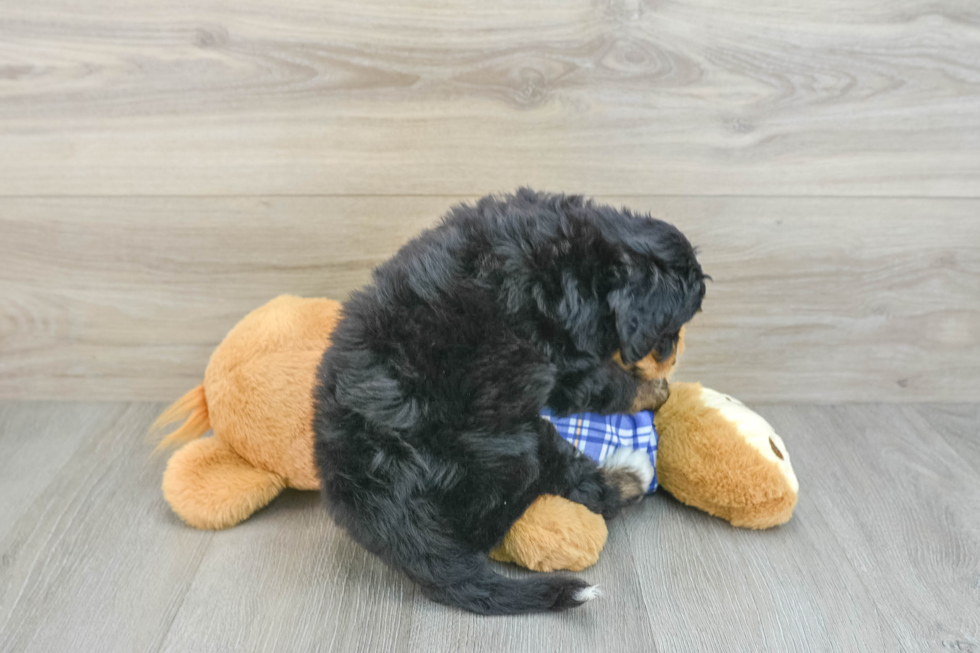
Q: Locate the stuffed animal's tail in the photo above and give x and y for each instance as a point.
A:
(193, 409)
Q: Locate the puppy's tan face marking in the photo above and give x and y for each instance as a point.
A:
(649, 368)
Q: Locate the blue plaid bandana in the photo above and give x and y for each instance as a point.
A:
(597, 436)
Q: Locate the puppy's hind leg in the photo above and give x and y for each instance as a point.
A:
(629, 471)
(569, 473)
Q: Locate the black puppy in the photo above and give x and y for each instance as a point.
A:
(428, 435)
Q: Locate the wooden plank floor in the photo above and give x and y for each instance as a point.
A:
(883, 554)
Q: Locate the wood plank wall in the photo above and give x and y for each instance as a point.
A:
(165, 168)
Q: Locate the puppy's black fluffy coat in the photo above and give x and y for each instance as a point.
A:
(428, 436)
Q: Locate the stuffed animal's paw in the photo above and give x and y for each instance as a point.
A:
(630, 472)
(554, 534)
(210, 486)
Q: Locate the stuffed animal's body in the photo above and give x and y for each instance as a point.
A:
(256, 397)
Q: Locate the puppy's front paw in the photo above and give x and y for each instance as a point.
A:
(630, 472)
(651, 395)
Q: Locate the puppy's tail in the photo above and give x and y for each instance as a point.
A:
(193, 409)
(487, 592)
(446, 568)
(449, 573)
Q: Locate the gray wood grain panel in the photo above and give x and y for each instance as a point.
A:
(127, 97)
(36, 440)
(288, 580)
(902, 509)
(823, 300)
(959, 425)
(787, 589)
(95, 562)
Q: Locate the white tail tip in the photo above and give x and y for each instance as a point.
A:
(588, 593)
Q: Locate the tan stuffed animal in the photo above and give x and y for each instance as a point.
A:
(714, 453)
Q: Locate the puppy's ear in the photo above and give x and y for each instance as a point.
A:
(634, 307)
(641, 306)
